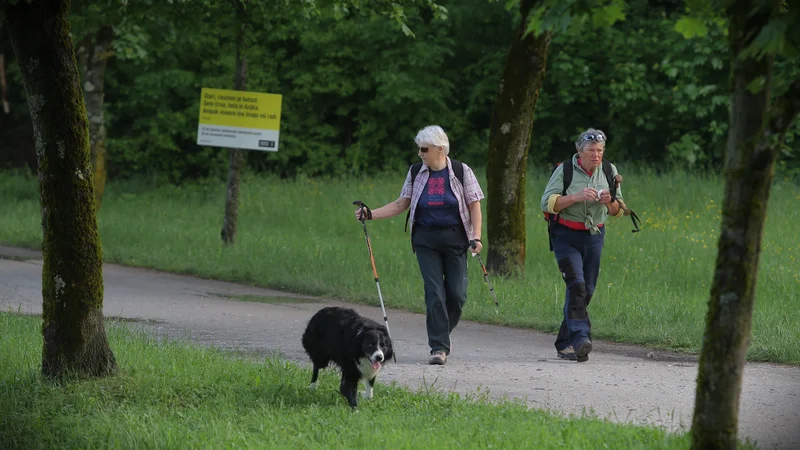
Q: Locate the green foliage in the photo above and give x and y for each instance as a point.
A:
(356, 89)
(691, 27)
(574, 16)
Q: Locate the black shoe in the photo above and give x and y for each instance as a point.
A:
(567, 353)
(582, 350)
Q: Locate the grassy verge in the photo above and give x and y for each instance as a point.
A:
(172, 395)
(300, 235)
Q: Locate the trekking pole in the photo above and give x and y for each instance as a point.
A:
(366, 214)
(627, 211)
(485, 274)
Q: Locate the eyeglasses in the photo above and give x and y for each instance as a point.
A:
(424, 149)
(594, 137)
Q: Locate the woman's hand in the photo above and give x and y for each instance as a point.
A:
(587, 195)
(361, 213)
(476, 246)
(605, 197)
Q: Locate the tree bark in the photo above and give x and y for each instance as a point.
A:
(93, 53)
(3, 88)
(756, 132)
(236, 157)
(72, 278)
(509, 142)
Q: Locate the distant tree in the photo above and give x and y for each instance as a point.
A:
(72, 277)
(101, 28)
(236, 157)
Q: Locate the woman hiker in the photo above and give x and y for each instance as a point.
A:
(577, 216)
(445, 220)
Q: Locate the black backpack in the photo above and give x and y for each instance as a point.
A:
(458, 170)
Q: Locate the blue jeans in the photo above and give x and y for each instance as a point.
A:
(578, 256)
(442, 258)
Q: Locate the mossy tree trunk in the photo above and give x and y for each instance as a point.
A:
(72, 278)
(236, 157)
(756, 132)
(509, 141)
(93, 53)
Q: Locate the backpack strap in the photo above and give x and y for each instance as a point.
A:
(458, 170)
(567, 165)
(612, 185)
(552, 218)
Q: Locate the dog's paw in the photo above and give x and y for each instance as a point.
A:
(312, 386)
(367, 395)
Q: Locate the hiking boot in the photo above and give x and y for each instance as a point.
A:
(582, 350)
(437, 358)
(567, 353)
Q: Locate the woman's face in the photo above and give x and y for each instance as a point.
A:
(429, 153)
(592, 154)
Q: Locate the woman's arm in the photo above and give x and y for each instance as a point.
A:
(477, 219)
(391, 209)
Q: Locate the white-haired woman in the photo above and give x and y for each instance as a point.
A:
(445, 220)
(577, 234)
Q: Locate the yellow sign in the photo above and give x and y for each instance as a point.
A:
(239, 119)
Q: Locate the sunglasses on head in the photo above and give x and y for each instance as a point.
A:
(594, 137)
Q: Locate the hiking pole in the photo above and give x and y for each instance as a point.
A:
(627, 211)
(485, 274)
(366, 214)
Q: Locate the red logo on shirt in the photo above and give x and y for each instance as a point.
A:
(436, 191)
(436, 186)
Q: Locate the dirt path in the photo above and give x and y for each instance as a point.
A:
(621, 383)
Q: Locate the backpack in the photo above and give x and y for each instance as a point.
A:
(568, 170)
(458, 170)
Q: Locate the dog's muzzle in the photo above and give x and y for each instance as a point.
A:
(376, 360)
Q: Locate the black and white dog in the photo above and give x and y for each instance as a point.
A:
(357, 344)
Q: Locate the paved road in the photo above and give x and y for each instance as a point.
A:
(622, 383)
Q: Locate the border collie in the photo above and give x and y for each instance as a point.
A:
(358, 345)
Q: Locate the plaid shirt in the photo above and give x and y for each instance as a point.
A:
(468, 193)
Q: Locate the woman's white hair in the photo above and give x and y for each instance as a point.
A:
(433, 135)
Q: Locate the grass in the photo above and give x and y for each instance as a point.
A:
(170, 394)
(300, 235)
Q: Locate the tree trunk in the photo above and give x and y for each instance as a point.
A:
(3, 88)
(754, 138)
(72, 277)
(509, 142)
(92, 55)
(236, 157)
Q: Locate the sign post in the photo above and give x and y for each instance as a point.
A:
(239, 119)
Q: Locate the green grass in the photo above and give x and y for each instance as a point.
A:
(170, 394)
(300, 235)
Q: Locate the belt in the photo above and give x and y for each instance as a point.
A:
(573, 225)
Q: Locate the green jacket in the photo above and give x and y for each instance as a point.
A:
(589, 213)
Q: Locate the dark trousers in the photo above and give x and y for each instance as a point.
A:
(442, 258)
(578, 256)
